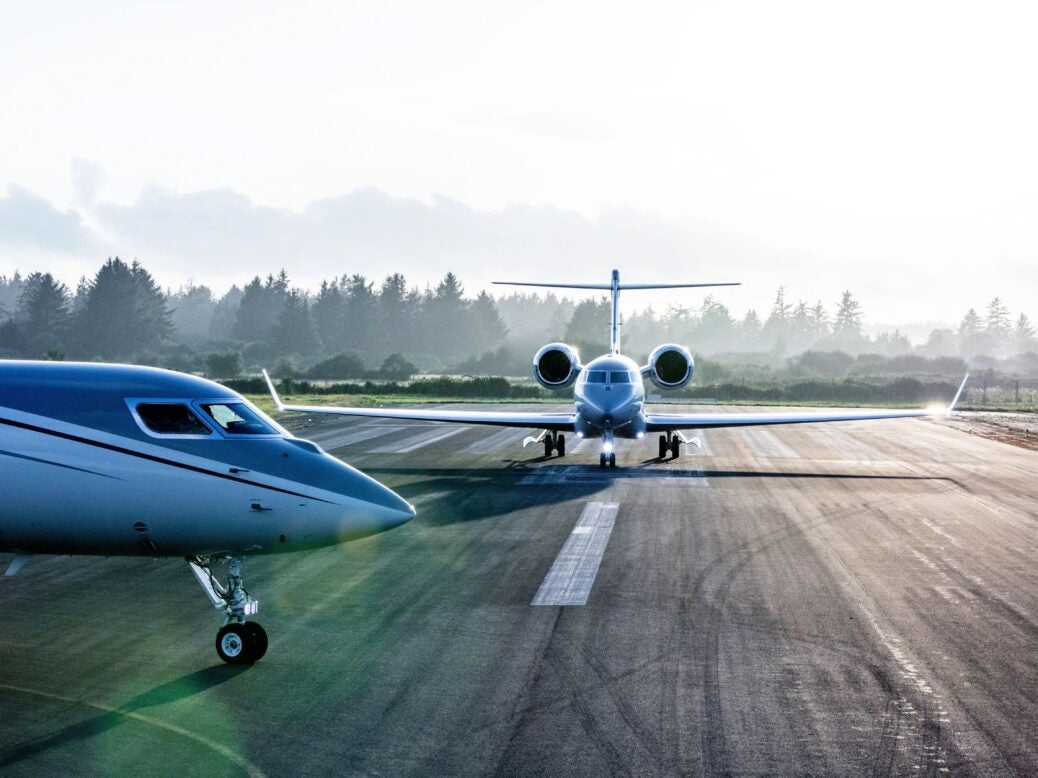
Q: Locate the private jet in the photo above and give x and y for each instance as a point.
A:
(609, 394)
(136, 461)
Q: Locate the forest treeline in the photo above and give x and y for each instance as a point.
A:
(354, 327)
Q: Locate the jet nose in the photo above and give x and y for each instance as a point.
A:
(393, 510)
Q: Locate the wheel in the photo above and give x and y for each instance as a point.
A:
(233, 644)
(663, 446)
(560, 446)
(601, 460)
(612, 460)
(675, 447)
(257, 637)
(547, 446)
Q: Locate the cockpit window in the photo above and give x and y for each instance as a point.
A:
(171, 419)
(620, 377)
(596, 376)
(237, 419)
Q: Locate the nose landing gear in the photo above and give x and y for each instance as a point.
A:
(605, 459)
(238, 641)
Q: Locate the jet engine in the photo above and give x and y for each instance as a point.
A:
(670, 366)
(556, 365)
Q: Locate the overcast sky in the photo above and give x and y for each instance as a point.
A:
(889, 148)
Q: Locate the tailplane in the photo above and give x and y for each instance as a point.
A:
(614, 288)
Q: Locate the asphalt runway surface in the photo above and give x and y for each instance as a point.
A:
(841, 599)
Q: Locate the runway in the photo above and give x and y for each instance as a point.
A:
(842, 599)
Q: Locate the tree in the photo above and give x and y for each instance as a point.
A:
(260, 307)
(589, 326)
(328, 311)
(225, 315)
(44, 315)
(191, 311)
(124, 313)
(225, 365)
(397, 368)
(294, 331)
(486, 327)
(847, 324)
(997, 324)
(972, 338)
(360, 321)
(1023, 335)
(345, 365)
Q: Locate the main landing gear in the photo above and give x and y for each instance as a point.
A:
(605, 459)
(670, 443)
(554, 441)
(238, 641)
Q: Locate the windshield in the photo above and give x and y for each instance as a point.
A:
(237, 419)
(596, 376)
(620, 377)
(171, 419)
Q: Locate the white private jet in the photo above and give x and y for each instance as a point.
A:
(609, 397)
(123, 460)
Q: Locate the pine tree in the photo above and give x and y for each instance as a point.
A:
(997, 324)
(44, 315)
(1023, 335)
(294, 331)
(124, 313)
(327, 312)
(486, 327)
(191, 311)
(847, 324)
(225, 315)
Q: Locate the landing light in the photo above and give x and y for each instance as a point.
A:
(607, 448)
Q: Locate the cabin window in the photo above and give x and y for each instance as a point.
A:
(620, 377)
(596, 376)
(171, 419)
(237, 419)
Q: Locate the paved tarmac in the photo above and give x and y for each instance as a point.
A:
(843, 599)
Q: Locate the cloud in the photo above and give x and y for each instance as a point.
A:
(87, 178)
(30, 221)
(371, 232)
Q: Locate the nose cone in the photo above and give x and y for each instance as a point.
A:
(369, 507)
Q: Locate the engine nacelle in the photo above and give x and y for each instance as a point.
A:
(671, 366)
(556, 366)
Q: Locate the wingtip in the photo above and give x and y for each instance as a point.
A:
(273, 392)
(958, 394)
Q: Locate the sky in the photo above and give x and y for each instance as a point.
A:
(886, 148)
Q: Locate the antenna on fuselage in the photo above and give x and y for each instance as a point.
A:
(614, 287)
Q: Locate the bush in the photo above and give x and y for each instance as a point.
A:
(344, 365)
(225, 365)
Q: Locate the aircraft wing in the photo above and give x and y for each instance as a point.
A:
(562, 422)
(666, 422)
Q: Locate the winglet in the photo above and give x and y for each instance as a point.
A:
(274, 392)
(958, 394)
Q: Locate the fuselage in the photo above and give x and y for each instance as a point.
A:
(609, 398)
(118, 459)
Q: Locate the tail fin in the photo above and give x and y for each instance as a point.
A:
(614, 288)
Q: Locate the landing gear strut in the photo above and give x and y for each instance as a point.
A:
(553, 441)
(238, 641)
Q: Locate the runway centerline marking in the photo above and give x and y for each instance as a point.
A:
(571, 577)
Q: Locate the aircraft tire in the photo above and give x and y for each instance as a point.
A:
(547, 446)
(601, 460)
(234, 644)
(675, 447)
(612, 460)
(663, 447)
(560, 446)
(257, 640)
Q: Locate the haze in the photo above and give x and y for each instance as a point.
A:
(886, 148)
